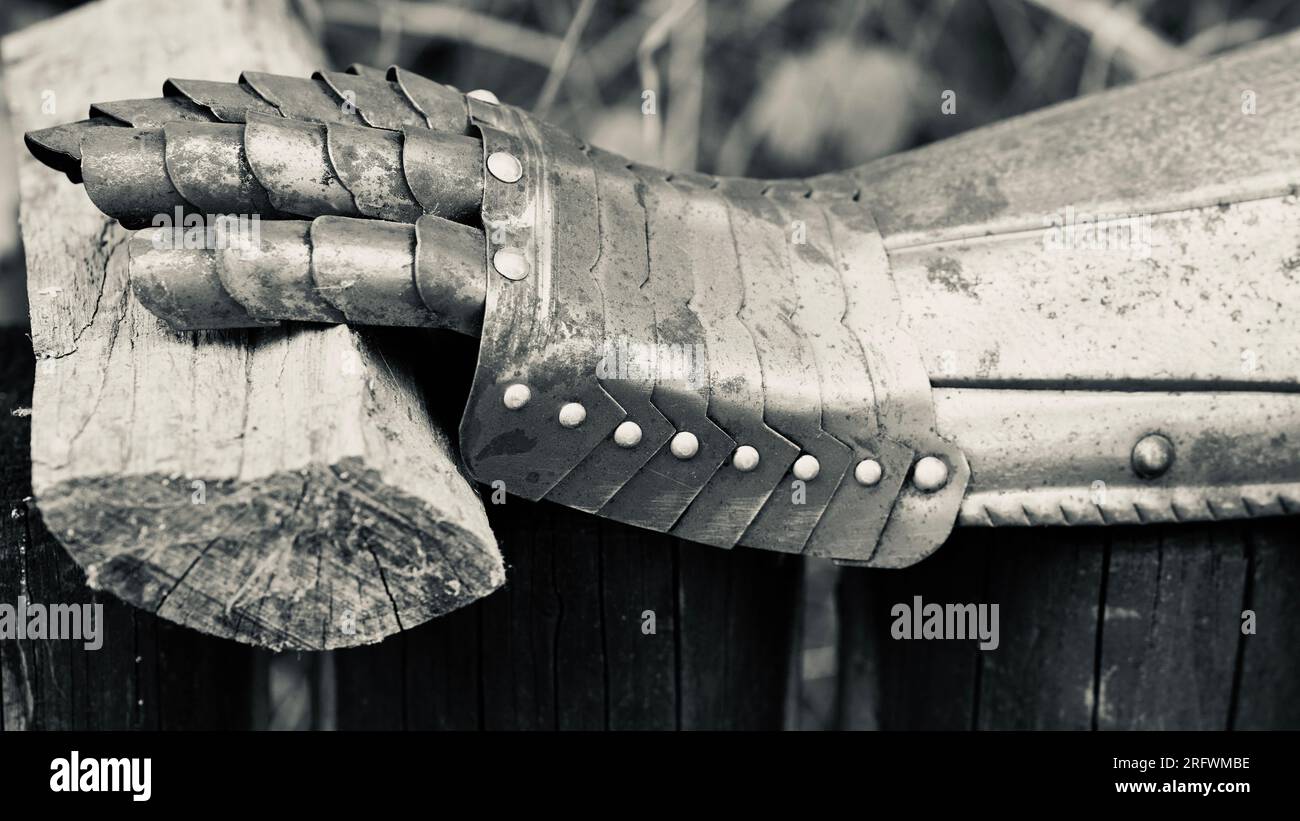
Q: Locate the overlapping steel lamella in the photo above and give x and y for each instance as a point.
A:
(808, 423)
(811, 379)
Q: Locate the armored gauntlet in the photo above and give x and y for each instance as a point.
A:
(730, 361)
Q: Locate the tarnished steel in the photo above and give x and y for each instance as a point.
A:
(677, 359)
(832, 301)
(380, 103)
(1064, 457)
(542, 330)
(367, 71)
(228, 102)
(331, 269)
(300, 99)
(731, 499)
(443, 108)
(1204, 296)
(182, 285)
(206, 164)
(918, 521)
(154, 112)
(622, 270)
(277, 167)
(792, 387)
(445, 172)
(765, 386)
(126, 177)
(368, 161)
(881, 463)
(365, 269)
(272, 277)
(291, 160)
(450, 272)
(60, 147)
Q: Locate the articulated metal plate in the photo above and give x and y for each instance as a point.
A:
(656, 349)
(732, 498)
(621, 268)
(536, 408)
(677, 360)
(832, 304)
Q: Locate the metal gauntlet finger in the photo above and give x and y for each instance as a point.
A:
(332, 269)
(339, 143)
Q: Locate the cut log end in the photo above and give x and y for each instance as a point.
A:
(316, 559)
(330, 510)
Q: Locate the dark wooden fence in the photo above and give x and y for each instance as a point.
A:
(1100, 628)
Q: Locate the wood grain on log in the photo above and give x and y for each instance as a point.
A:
(283, 487)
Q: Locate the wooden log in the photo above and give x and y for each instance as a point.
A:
(282, 487)
(149, 674)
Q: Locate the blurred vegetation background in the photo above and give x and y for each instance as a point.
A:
(762, 87)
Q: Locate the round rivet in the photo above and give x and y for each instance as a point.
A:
(684, 445)
(504, 166)
(930, 474)
(745, 458)
(1152, 456)
(484, 95)
(807, 467)
(517, 396)
(627, 434)
(572, 415)
(868, 473)
(510, 263)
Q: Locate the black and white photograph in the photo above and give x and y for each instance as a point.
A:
(838, 380)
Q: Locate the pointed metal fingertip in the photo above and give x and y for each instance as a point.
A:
(60, 147)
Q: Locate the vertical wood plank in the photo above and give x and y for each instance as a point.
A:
(736, 623)
(371, 686)
(637, 572)
(915, 685)
(1046, 584)
(581, 669)
(442, 660)
(1267, 696)
(1171, 626)
(520, 622)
